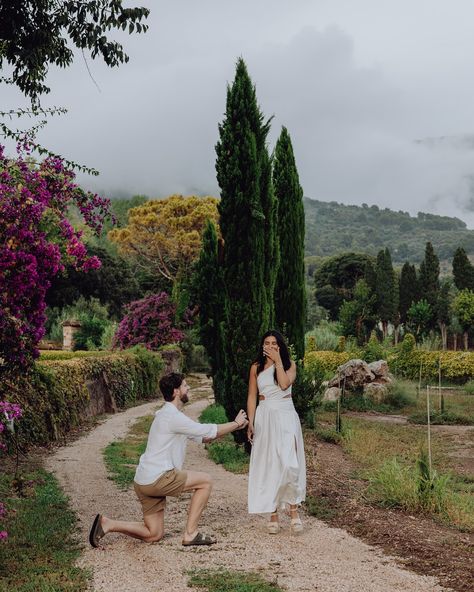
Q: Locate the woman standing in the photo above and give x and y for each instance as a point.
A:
(277, 474)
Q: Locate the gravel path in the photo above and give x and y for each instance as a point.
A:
(322, 559)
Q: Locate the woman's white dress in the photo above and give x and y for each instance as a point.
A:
(277, 473)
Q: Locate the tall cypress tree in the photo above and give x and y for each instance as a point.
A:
(429, 276)
(271, 233)
(290, 291)
(386, 290)
(463, 270)
(242, 136)
(409, 292)
(209, 294)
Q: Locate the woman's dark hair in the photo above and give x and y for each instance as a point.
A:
(168, 383)
(284, 353)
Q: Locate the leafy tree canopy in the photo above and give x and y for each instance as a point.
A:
(38, 33)
(336, 278)
(165, 234)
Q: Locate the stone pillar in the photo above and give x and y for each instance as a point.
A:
(69, 329)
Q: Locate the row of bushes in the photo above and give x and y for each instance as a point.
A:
(456, 366)
(54, 397)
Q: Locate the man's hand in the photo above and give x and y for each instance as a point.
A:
(241, 419)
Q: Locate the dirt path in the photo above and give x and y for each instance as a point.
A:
(322, 559)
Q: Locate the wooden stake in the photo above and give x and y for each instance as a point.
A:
(428, 423)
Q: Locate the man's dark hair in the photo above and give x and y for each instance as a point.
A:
(168, 383)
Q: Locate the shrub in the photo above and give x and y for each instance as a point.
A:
(413, 489)
(373, 350)
(469, 387)
(148, 322)
(326, 335)
(431, 342)
(54, 396)
(325, 361)
(400, 395)
(36, 240)
(456, 366)
(213, 414)
(304, 390)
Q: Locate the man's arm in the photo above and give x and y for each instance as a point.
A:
(239, 423)
(207, 431)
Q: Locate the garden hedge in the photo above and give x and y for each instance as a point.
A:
(54, 396)
(456, 366)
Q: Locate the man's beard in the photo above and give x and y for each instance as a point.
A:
(184, 398)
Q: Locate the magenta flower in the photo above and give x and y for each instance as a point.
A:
(36, 240)
(148, 322)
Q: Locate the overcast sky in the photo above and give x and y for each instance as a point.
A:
(378, 96)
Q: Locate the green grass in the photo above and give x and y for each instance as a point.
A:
(222, 580)
(121, 457)
(388, 455)
(230, 455)
(319, 507)
(213, 414)
(225, 451)
(440, 418)
(327, 434)
(42, 547)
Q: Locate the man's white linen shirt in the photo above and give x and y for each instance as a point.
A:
(167, 440)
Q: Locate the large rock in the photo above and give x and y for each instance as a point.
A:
(380, 370)
(376, 392)
(353, 374)
(332, 394)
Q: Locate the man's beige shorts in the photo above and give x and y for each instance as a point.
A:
(153, 497)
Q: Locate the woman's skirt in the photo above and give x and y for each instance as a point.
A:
(277, 473)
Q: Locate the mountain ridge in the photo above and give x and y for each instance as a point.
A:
(333, 228)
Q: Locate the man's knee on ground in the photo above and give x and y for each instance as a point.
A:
(154, 538)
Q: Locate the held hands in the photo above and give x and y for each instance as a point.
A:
(241, 419)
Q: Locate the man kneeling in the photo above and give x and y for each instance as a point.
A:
(159, 473)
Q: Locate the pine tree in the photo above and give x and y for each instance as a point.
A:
(429, 276)
(209, 294)
(386, 290)
(240, 155)
(290, 291)
(409, 292)
(463, 270)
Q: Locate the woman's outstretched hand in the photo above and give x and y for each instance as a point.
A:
(241, 419)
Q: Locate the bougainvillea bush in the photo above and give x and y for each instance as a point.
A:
(36, 240)
(148, 322)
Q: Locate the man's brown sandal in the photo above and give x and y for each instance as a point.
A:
(200, 539)
(96, 532)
